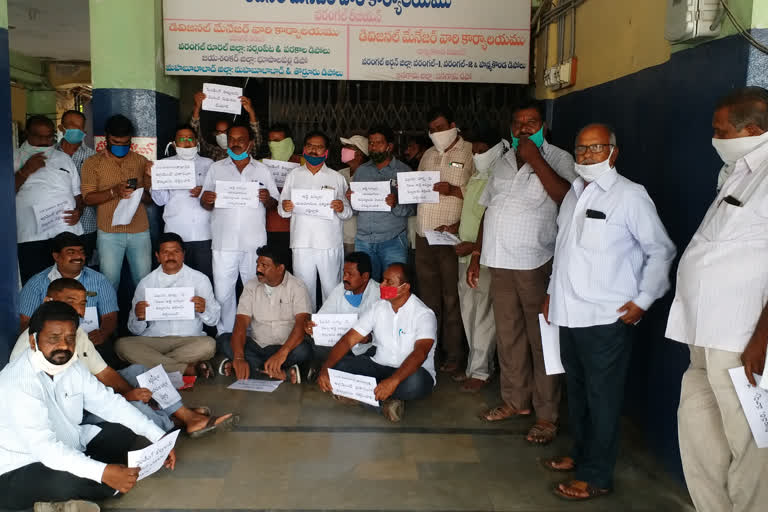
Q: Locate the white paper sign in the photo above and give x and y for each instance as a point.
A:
(550, 342)
(126, 208)
(263, 386)
(49, 217)
(315, 203)
(370, 196)
(280, 170)
(417, 187)
(157, 381)
(91, 320)
(174, 174)
(754, 402)
(441, 238)
(357, 387)
(236, 194)
(152, 458)
(330, 328)
(170, 303)
(222, 98)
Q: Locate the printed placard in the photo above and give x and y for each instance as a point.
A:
(236, 194)
(260, 385)
(357, 387)
(157, 381)
(222, 98)
(370, 196)
(330, 328)
(315, 203)
(280, 170)
(441, 238)
(151, 459)
(417, 187)
(170, 303)
(174, 174)
(91, 320)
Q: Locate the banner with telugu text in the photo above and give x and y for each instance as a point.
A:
(484, 41)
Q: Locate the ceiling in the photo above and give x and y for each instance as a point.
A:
(51, 29)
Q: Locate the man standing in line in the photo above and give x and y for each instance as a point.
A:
(354, 153)
(218, 151)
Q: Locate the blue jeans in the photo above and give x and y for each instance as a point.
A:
(113, 247)
(416, 386)
(383, 254)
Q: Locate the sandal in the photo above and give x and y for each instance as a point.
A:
(222, 369)
(551, 463)
(592, 492)
(449, 367)
(542, 433)
(294, 374)
(204, 370)
(202, 410)
(212, 426)
(503, 412)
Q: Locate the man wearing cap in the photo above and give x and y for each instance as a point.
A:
(382, 235)
(354, 153)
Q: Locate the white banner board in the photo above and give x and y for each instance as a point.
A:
(397, 40)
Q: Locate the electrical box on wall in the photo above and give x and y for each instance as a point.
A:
(688, 20)
(561, 76)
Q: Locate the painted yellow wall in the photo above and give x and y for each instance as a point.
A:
(18, 104)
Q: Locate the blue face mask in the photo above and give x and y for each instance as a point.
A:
(119, 151)
(235, 156)
(354, 300)
(74, 136)
(537, 138)
(315, 160)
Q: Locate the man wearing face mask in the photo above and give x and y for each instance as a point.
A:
(281, 148)
(382, 235)
(237, 232)
(183, 213)
(612, 260)
(218, 151)
(72, 128)
(47, 456)
(354, 153)
(476, 304)
(516, 241)
(438, 265)
(45, 179)
(109, 177)
(317, 242)
(720, 311)
(404, 331)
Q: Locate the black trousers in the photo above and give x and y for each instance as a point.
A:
(198, 256)
(22, 487)
(596, 360)
(34, 257)
(257, 355)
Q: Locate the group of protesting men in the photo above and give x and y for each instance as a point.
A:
(540, 233)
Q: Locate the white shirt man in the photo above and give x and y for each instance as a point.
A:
(237, 233)
(317, 243)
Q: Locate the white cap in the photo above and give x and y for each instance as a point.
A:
(359, 141)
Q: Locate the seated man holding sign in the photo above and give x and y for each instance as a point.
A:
(276, 306)
(404, 332)
(197, 421)
(46, 454)
(170, 307)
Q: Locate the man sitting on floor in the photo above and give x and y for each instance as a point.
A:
(46, 454)
(356, 294)
(196, 421)
(179, 345)
(276, 305)
(404, 332)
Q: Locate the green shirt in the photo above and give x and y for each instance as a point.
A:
(472, 211)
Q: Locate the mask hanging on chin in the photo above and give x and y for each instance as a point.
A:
(236, 157)
(733, 150)
(41, 363)
(592, 172)
(537, 138)
(221, 140)
(442, 140)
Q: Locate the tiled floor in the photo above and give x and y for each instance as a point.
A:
(297, 449)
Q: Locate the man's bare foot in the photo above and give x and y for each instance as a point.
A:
(559, 464)
(199, 422)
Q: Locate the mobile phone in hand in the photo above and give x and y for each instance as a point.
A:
(133, 183)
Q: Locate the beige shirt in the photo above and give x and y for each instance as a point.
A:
(456, 166)
(273, 310)
(86, 352)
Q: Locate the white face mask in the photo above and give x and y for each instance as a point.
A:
(186, 153)
(41, 363)
(732, 150)
(27, 150)
(592, 172)
(484, 161)
(221, 140)
(443, 139)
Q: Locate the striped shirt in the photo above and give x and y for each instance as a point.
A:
(33, 293)
(103, 171)
(83, 153)
(456, 166)
(214, 151)
(41, 420)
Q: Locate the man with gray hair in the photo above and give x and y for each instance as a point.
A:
(612, 260)
(720, 312)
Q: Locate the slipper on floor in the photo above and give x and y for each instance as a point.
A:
(205, 370)
(212, 426)
(592, 492)
(543, 432)
(502, 413)
(548, 465)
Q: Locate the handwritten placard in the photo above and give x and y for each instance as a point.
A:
(330, 328)
(370, 196)
(754, 402)
(170, 303)
(315, 203)
(357, 387)
(417, 187)
(174, 174)
(91, 320)
(280, 170)
(263, 386)
(49, 217)
(441, 238)
(157, 381)
(550, 341)
(222, 98)
(151, 459)
(236, 194)
(126, 208)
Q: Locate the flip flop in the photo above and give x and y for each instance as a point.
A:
(222, 364)
(202, 409)
(212, 426)
(548, 464)
(592, 492)
(205, 370)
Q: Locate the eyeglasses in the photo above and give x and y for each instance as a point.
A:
(186, 139)
(593, 148)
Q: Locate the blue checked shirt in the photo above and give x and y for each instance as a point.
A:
(33, 293)
(88, 219)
